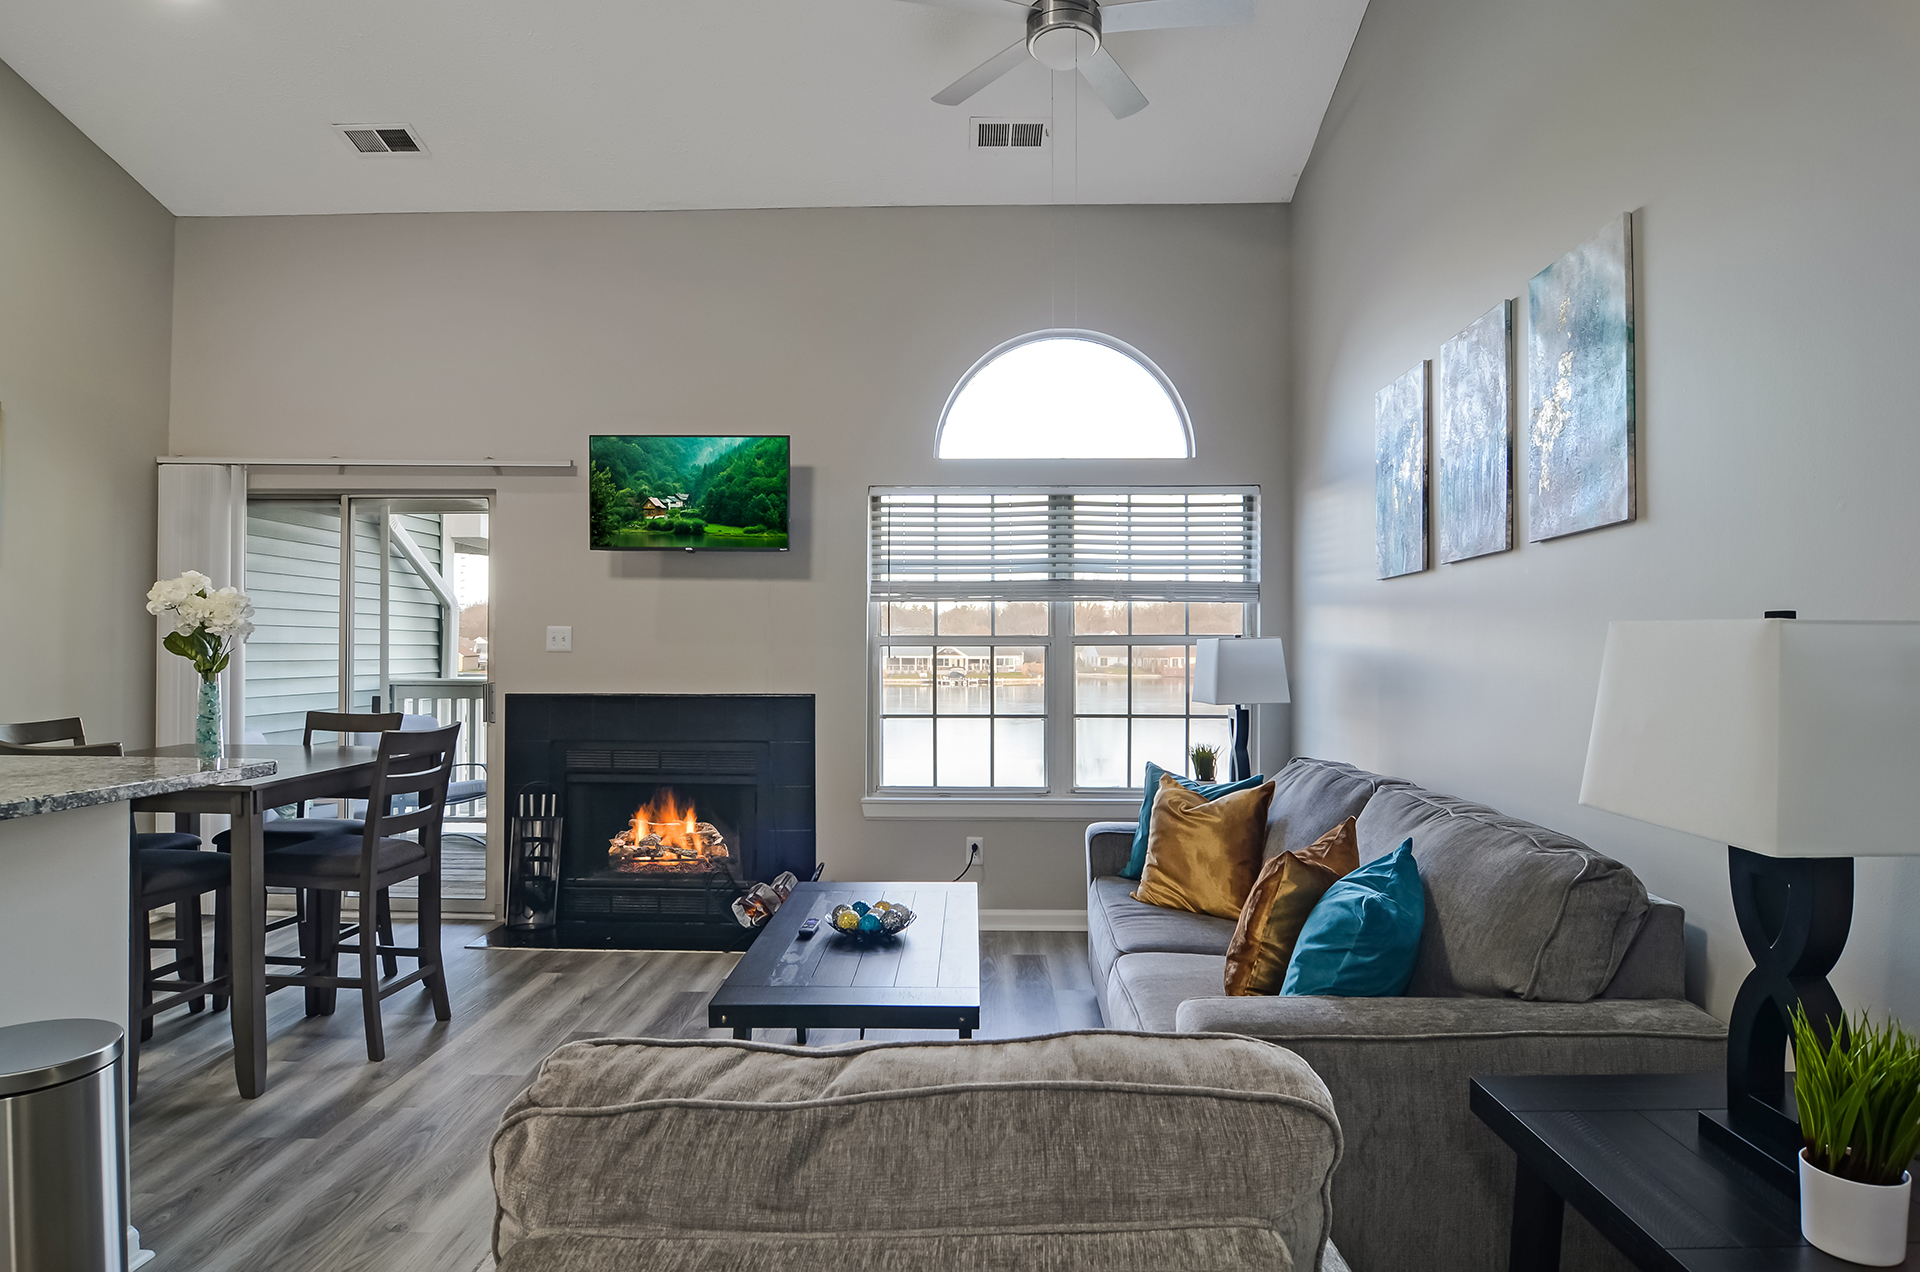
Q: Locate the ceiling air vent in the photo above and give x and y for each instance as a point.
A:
(1008, 134)
(382, 139)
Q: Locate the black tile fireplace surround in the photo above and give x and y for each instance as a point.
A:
(745, 761)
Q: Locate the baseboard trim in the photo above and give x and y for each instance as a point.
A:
(1033, 920)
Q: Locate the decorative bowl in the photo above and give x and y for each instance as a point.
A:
(863, 921)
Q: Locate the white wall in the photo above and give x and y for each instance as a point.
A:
(1767, 152)
(517, 335)
(86, 270)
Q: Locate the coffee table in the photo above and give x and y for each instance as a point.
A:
(928, 977)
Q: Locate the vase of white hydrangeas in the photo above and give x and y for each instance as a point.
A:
(206, 623)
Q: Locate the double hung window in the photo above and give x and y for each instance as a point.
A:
(1036, 641)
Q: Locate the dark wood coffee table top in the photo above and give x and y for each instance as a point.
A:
(1626, 1152)
(928, 977)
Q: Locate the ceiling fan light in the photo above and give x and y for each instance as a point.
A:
(1062, 48)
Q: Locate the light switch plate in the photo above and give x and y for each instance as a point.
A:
(559, 640)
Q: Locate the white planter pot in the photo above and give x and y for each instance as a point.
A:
(1861, 1223)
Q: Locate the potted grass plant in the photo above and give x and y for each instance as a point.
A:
(1859, 1098)
(1205, 759)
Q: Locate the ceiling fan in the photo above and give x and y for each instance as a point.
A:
(1069, 35)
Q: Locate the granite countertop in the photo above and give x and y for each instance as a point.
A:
(32, 784)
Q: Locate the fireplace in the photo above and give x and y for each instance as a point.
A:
(672, 804)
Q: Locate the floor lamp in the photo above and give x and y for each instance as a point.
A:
(1240, 671)
(1797, 744)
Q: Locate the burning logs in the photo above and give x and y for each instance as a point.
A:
(665, 836)
(697, 852)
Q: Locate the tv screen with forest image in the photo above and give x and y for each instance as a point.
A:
(681, 494)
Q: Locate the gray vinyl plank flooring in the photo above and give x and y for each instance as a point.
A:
(345, 1165)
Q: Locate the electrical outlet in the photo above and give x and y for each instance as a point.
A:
(559, 640)
(977, 854)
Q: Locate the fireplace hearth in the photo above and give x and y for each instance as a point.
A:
(674, 804)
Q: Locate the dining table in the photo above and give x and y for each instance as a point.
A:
(303, 773)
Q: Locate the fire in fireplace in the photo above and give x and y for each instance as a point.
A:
(666, 837)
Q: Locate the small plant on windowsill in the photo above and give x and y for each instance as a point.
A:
(1205, 759)
(1859, 1098)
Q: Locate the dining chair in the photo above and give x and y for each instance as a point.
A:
(367, 864)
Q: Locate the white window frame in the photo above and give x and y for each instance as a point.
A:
(1061, 797)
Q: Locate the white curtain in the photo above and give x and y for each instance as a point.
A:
(203, 526)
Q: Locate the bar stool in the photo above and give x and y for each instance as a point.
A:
(284, 832)
(369, 863)
(170, 869)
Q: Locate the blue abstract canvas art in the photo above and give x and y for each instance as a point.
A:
(1400, 475)
(1473, 471)
(1580, 376)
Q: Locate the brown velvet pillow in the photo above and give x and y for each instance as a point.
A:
(1202, 854)
(1288, 888)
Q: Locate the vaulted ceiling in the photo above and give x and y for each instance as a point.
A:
(227, 107)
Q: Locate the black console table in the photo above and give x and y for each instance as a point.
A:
(1626, 1152)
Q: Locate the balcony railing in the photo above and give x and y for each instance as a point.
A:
(466, 701)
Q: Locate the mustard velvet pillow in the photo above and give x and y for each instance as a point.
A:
(1288, 888)
(1202, 855)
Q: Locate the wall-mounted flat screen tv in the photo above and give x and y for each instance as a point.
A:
(688, 494)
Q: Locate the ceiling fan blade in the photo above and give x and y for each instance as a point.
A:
(994, 8)
(1162, 15)
(982, 75)
(1110, 83)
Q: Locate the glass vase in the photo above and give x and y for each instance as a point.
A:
(206, 727)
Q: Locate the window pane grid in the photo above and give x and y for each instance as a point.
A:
(1133, 692)
(964, 714)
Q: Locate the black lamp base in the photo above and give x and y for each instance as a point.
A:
(1794, 915)
(1240, 763)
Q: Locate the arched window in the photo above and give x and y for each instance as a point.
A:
(1065, 394)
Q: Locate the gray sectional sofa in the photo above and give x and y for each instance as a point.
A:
(1539, 955)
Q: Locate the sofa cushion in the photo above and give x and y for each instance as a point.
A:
(1311, 797)
(1144, 991)
(1133, 927)
(1283, 897)
(1117, 925)
(1150, 792)
(1360, 941)
(1079, 1133)
(1512, 909)
(1204, 853)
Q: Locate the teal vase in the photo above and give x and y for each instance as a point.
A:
(206, 728)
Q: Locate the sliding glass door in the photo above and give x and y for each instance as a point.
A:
(370, 603)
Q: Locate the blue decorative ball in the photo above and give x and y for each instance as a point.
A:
(860, 907)
(869, 923)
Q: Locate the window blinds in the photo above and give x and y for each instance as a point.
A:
(1068, 543)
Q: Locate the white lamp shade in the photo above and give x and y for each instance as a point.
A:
(1240, 670)
(1786, 737)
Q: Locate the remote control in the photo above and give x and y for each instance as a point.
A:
(808, 928)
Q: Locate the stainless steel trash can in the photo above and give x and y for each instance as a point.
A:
(62, 1165)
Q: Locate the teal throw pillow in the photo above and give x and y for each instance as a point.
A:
(1210, 791)
(1362, 938)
